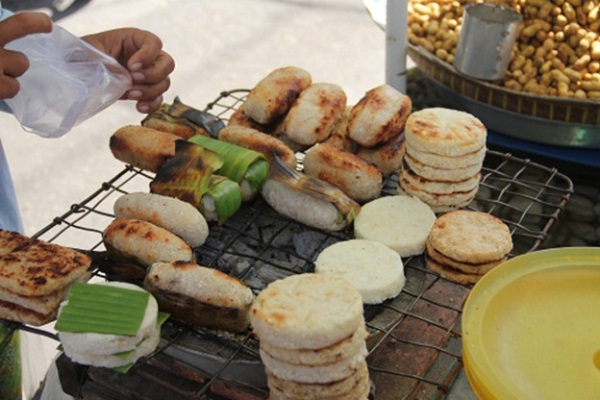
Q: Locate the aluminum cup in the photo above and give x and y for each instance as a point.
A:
(487, 36)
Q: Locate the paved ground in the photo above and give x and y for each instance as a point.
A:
(217, 45)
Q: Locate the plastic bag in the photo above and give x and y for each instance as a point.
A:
(68, 81)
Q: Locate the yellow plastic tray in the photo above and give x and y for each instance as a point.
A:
(531, 327)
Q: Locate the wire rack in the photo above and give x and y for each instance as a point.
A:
(415, 339)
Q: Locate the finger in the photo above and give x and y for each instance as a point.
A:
(160, 69)
(9, 87)
(14, 64)
(23, 24)
(146, 107)
(149, 92)
(146, 47)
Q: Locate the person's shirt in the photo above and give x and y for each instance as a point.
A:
(10, 218)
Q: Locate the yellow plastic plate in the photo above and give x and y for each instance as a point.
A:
(531, 327)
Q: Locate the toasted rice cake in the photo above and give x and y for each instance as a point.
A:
(16, 313)
(439, 174)
(438, 199)
(38, 268)
(44, 305)
(143, 147)
(477, 269)
(379, 116)
(442, 187)
(343, 389)
(302, 207)
(357, 178)
(386, 157)
(273, 95)
(315, 113)
(173, 214)
(399, 222)
(339, 135)
(239, 118)
(348, 347)
(261, 142)
(452, 274)
(199, 295)
(373, 268)
(445, 131)
(319, 373)
(447, 162)
(306, 311)
(144, 243)
(471, 237)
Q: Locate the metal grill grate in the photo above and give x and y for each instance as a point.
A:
(415, 339)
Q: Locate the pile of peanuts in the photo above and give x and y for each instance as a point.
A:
(557, 52)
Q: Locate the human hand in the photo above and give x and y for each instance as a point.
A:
(13, 63)
(141, 53)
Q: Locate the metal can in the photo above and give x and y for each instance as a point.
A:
(487, 36)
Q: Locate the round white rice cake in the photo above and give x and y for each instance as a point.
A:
(170, 213)
(111, 344)
(400, 222)
(471, 237)
(345, 348)
(306, 311)
(101, 359)
(444, 131)
(356, 386)
(373, 268)
(320, 373)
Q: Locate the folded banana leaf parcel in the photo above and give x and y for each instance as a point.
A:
(212, 175)
(190, 175)
(247, 167)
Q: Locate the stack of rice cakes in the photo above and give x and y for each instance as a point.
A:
(443, 155)
(464, 245)
(312, 335)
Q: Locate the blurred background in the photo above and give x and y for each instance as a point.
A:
(217, 45)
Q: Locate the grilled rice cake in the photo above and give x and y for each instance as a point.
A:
(379, 116)
(273, 95)
(346, 389)
(357, 178)
(37, 268)
(445, 132)
(306, 311)
(471, 237)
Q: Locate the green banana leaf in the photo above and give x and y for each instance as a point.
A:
(190, 176)
(239, 164)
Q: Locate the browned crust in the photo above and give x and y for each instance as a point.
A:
(376, 101)
(451, 274)
(258, 141)
(37, 268)
(276, 93)
(344, 170)
(13, 312)
(143, 147)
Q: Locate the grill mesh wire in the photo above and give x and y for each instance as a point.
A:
(415, 345)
